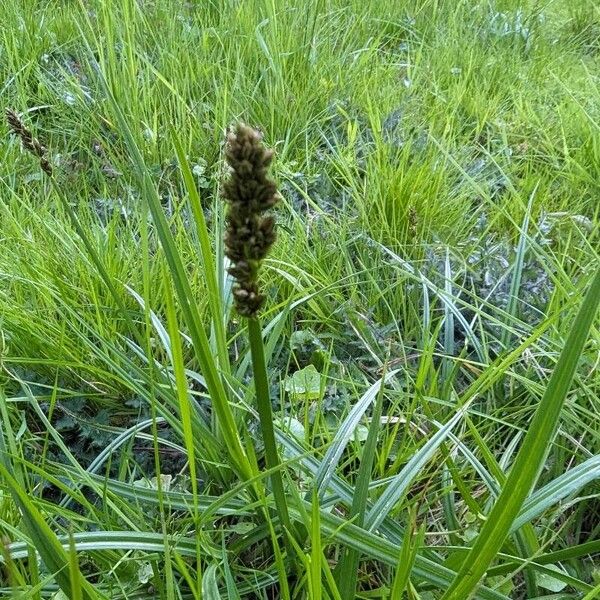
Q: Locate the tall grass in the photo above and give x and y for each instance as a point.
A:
(427, 355)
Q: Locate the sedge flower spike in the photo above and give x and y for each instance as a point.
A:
(29, 141)
(250, 233)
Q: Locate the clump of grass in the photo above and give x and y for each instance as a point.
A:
(397, 187)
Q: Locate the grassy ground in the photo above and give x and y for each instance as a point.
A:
(437, 236)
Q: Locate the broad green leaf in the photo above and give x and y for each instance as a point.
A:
(304, 384)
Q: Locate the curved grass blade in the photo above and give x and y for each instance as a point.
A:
(46, 543)
(557, 490)
(190, 312)
(345, 432)
(210, 586)
(531, 456)
(399, 484)
(121, 439)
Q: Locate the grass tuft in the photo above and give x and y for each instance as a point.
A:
(396, 398)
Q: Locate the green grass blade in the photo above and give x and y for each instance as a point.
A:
(232, 591)
(347, 570)
(210, 585)
(345, 433)
(46, 543)
(316, 550)
(449, 345)
(366, 542)
(530, 458)
(557, 490)
(379, 548)
(566, 554)
(517, 272)
(406, 560)
(185, 296)
(265, 413)
(76, 579)
(182, 391)
(399, 484)
(447, 300)
(217, 310)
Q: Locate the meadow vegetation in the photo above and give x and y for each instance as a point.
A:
(413, 412)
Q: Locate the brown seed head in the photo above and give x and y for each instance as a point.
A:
(249, 192)
(29, 141)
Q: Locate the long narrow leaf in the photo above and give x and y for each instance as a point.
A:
(531, 456)
(400, 483)
(208, 264)
(347, 570)
(183, 289)
(344, 434)
(45, 541)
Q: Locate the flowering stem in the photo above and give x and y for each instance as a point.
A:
(265, 414)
